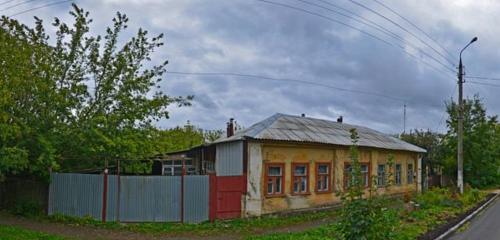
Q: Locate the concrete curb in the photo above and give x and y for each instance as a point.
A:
(466, 219)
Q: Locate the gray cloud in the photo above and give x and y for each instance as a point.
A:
(256, 38)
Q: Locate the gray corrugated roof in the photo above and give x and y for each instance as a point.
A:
(282, 127)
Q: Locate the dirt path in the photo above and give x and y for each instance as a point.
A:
(90, 233)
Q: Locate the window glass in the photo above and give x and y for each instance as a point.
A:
(410, 174)
(323, 169)
(381, 175)
(300, 170)
(398, 174)
(274, 171)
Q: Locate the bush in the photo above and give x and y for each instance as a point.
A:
(437, 197)
(27, 208)
(471, 196)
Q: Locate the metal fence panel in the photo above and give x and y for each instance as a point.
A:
(113, 204)
(196, 197)
(150, 198)
(76, 195)
(229, 159)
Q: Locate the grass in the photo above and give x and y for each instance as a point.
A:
(436, 207)
(15, 233)
(237, 226)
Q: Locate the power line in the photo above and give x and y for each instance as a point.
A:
(327, 18)
(440, 123)
(403, 28)
(483, 78)
(483, 83)
(15, 5)
(39, 7)
(5, 2)
(383, 30)
(414, 25)
(355, 28)
(288, 80)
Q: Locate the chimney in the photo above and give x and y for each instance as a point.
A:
(340, 119)
(303, 115)
(230, 127)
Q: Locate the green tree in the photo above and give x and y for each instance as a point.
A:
(364, 218)
(481, 144)
(80, 100)
(430, 141)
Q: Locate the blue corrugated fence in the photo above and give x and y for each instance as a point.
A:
(130, 198)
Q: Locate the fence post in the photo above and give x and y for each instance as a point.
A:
(105, 195)
(182, 192)
(212, 198)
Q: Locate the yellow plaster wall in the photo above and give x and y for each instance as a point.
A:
(289, 153)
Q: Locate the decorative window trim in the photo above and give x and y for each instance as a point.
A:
(307, 177)
(282, 182)
(328, 175)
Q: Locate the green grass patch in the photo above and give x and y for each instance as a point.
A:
(238, 226)
(435, 207)
(15, 233)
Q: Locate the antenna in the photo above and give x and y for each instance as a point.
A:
(404, 118)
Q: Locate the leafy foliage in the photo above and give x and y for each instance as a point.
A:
(362, 218)
(81, 100)
(481, 144)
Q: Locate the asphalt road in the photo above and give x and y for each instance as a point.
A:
(485, 226)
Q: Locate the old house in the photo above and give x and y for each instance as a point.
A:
(290, 162)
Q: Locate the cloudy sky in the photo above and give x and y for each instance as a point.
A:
(385, 65)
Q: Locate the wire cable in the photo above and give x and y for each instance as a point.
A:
(355, 28)
(404, 29)
(415, 26)
(16, 5)
(5, 2)
(40, 7)
(483, 78)
(383, 30)
(484, 84)
(288, 80)
(440, 123)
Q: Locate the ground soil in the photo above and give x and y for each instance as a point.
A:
(90, 233)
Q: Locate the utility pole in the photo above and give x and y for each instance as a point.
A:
(460, 130)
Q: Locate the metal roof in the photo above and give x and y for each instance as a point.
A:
(283, 127)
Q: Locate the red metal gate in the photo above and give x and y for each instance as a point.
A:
(226, 199)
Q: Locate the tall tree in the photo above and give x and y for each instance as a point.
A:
(481, 144)
(78, 101)
(428, 140)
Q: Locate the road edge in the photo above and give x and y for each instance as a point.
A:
(466, 219)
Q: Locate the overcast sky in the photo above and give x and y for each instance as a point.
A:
(258, 38)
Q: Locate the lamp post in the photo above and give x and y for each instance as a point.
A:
(460, 130)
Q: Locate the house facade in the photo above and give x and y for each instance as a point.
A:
(290, 162)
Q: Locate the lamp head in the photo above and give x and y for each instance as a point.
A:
(473, 40)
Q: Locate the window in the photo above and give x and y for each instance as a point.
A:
(274, 179)
(323, 173)
(364, 174)
(300, 175)
(398, 174)
(381, 175)
(410, 174)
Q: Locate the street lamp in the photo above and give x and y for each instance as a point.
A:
(460, 130)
